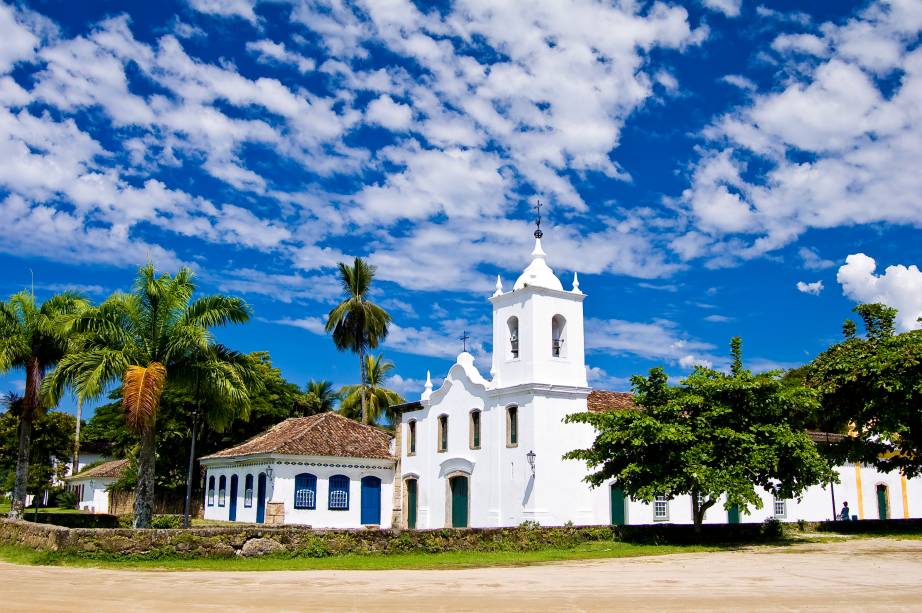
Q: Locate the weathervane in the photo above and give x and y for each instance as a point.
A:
(538, 232)
(464, 338)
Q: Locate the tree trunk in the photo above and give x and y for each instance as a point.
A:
(144, 491)
(30, 405)
(362, 384)
(186, 516)
(76, 465)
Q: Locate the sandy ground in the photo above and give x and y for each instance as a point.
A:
(853, 575)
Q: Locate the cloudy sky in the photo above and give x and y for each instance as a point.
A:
(711, 168)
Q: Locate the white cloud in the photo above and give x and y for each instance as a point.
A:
(268, 51)
(387, 113)
(899, 287)
(19, 42)
(600, 379)
(226, 8)
(718, 319)
(690, 361)
(830, 147)
(730, 8)
(739, 81)
(314, 325)
(812, 260)
(813, 288)
(659, 339)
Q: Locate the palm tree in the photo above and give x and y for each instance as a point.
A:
(33, 337)
(325, 393)
(378, 399)
(357, 324)
(154, 336)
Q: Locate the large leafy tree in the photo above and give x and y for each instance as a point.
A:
(356, 323)
(872, 386)
(33, 337)
(378, 399)
(49, 451)
(155, 336)
(715, 434)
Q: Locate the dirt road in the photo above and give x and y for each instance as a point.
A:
(851, 575)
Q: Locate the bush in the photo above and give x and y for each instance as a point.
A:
(74, 520)
(67, 500)
(166, 521)
(772, 528)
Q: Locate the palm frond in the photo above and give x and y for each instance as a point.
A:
(141, 390)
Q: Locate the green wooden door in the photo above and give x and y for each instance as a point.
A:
(617, 506)
(733, 515)
(411, 504)
(882, 502)
(459, 502)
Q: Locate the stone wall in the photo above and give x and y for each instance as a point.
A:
(303, 542)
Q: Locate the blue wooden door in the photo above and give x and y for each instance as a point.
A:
(232, 511)
(371, 501)
(261, 499)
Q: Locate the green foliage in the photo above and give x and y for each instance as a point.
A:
(872, 385)
(714, 434)
(357, 324)
(154, 337)
(51, 448)
(378, 399)
(67, 499)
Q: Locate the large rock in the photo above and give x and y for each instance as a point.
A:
(260, 547)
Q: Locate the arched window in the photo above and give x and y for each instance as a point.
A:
(512, 426)
(443, 433)
(339, 493)
(411, 437)
(222, 490)
(513, 324)
(475, 429)
(305, 491)
(211, 491)
(558, 336)
(248, 491)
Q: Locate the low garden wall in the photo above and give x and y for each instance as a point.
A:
(303, 541)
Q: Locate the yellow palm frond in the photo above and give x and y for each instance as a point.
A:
(141, 393)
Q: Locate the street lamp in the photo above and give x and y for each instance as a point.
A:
(530, 456)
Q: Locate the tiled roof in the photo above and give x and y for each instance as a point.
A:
(825, 437)
(111, 469)
(325, 434)
(601, 400)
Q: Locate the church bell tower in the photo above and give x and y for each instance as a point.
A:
(538, 328)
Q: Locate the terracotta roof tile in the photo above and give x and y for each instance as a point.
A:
(111, 469)
(325, 434)
(601, 400)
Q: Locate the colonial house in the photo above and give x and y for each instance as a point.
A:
(325, 471)
(484, 452)
(92, 485)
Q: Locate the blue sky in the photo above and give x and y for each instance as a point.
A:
(711, 168)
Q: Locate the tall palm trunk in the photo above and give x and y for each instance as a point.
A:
(144, 491)
(363, 382)
(30, 406)
(76, 465)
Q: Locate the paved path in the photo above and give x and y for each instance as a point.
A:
(866, 575)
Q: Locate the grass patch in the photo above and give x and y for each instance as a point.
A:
(407, 561)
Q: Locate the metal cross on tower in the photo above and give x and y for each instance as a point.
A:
(538, 232)
(464, 338)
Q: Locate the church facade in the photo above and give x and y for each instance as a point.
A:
(482, 452)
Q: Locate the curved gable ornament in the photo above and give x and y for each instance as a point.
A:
(456, 465)
(462, 369)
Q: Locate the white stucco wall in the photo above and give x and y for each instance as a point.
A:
(95, 498)
(281, 488)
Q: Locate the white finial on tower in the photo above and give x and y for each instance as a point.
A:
(499, 287)
(576, 289)
(427, 390)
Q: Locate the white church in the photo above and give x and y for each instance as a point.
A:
(487, 452)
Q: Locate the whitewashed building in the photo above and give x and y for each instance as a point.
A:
(484, 452)
(324, 471)
(92, 485)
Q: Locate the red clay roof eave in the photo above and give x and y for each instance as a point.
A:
(276, 457)
(112, 469)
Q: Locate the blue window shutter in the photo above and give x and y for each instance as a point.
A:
(305, 491)
(339, 493)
